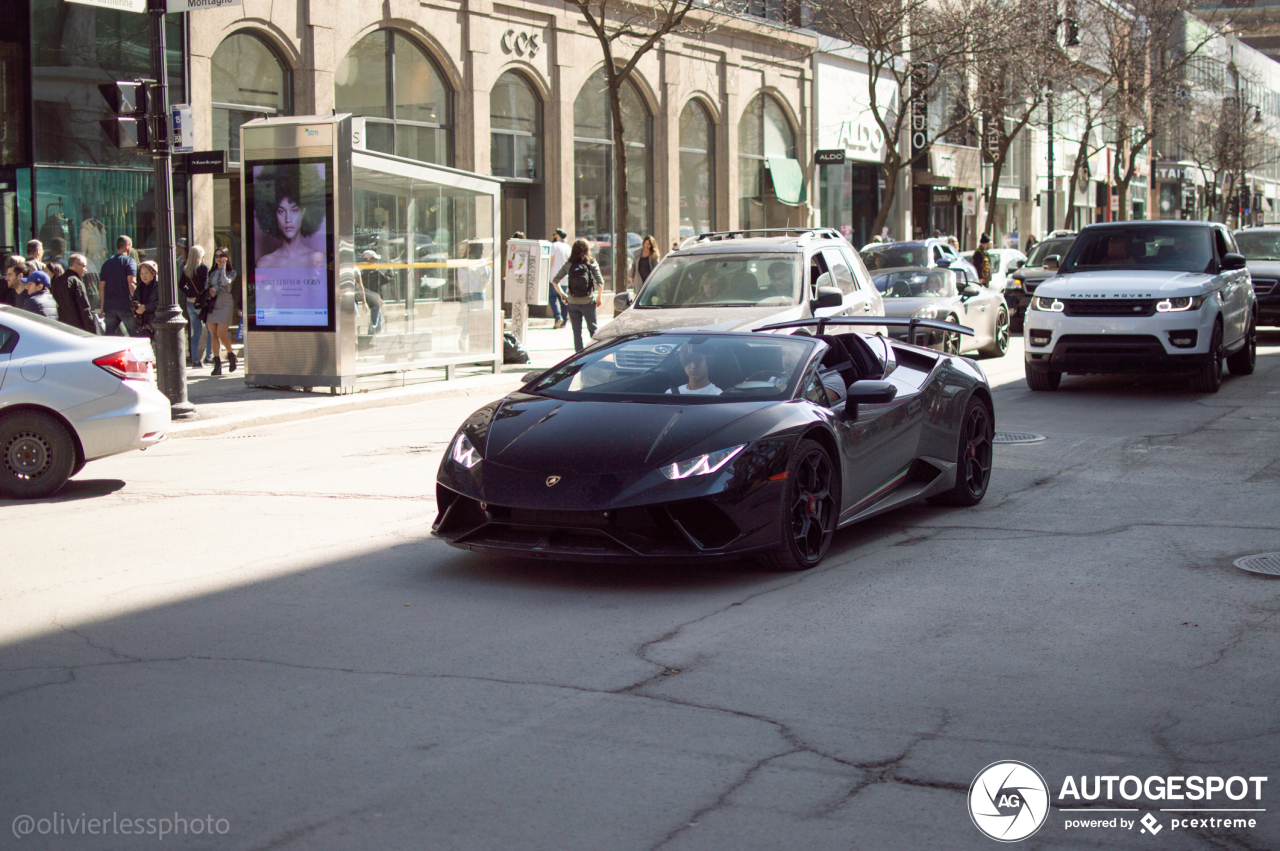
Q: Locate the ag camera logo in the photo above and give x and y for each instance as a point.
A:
(1008, 801)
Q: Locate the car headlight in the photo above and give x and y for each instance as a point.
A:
(1050, 305)
(929, 311)
(702, 464)
(463, 453)
(1015, 281)
(1178, 305)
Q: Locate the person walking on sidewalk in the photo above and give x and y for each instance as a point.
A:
(586, 289)
(72, 297)
(192, 284)
(559, 256)
(35, 255)
(645, 263)
(14, 292)
(119, 276)
(146, 298)
(39, 299)
(221, 310)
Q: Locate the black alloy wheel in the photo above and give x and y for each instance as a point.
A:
(1000, 341)
(811, 505)
(37, 455)
(1243, 361)
(973, 457)
(1208, 379)
(951, 339)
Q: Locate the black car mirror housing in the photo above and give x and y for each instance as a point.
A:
(828, 297)
(1232, 261)
(971, 290)
(1052, 262)
(867, 392)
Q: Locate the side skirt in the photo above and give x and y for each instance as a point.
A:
(903, 489)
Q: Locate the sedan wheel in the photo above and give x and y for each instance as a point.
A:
(812, 509)
(973, 457)
(1000, 339)
(951, 339)
(36, 455)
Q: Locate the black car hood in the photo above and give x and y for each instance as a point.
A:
(535, 433)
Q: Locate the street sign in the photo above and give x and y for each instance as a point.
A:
(184, 132)
(207, 162)
(198, 5)
(117, 5)
(128, 100)
(830, 157)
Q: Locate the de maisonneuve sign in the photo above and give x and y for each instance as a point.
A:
(171, 5)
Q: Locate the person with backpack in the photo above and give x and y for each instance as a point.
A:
(586, 289)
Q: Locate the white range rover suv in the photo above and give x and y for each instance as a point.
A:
(1161, 296)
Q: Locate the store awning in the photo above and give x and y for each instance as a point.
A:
(788, 179)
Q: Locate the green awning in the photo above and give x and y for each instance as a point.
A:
(788, 179)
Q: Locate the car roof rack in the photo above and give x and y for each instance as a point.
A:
(746, 233)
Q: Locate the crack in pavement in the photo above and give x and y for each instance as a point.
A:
(1242, 632)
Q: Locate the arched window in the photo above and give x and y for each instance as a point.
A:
(766, 141)
(249, 81)
(593, 164)
(697, 171)
(402, 95)
(515, 124)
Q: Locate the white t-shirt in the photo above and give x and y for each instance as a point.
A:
(709, 390)
(559, 255)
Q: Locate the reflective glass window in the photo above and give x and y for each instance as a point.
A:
(249, 81)
(697, 171)
(515, 125)
(763, 132)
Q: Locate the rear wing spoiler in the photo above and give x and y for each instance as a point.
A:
(911, 324)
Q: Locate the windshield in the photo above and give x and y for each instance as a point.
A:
(1049, 246)
(723, 280)
(916, 283)
(1176, 249)
(679, 368)
(1259, 245)
(891, 256)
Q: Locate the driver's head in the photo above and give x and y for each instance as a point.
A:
(694, 362)
(780, 275)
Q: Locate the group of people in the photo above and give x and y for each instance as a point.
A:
(130, 295)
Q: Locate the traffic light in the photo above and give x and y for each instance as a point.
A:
(128, 99)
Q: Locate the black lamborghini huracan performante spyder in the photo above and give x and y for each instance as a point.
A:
(677, 445)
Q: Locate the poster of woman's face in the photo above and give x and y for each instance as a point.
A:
(290, 272)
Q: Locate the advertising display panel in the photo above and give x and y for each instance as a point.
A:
(290, 245)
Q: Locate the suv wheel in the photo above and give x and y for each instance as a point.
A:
(1243, 361)
(1042, 379)
(1209, 377)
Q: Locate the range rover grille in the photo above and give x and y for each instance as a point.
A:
(1109, 307)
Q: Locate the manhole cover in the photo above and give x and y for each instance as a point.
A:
(1017, 437)
(1268, 564)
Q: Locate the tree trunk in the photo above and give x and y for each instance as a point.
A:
(891, 168)
(622, 203)
(1082, 158)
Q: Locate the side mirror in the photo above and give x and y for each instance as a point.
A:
(872, 392)
(944, 262)
(1052, 262)
(971, 290)
(828, 297)
(621, 302)
(1232, 261)
(1019, 264)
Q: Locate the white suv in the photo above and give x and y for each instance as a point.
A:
(1165, 296)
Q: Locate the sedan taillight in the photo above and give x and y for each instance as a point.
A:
(128, 364)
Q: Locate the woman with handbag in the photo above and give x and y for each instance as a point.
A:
(192, 285)
(146, 298)
(220, 307)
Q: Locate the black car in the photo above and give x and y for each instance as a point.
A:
(1261, 249)
(1022, 284)
(682, 444)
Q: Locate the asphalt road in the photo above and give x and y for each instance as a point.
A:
(256, 631)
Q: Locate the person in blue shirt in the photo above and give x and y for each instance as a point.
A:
(119, 276)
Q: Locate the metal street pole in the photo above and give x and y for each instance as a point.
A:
(170, 325)
(1053, 190)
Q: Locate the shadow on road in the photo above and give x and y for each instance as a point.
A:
(73, 490)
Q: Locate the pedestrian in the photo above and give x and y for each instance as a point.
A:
(39, 300)
(220, 308)
(15, 292)
(559, 256)
(586, 289)
(146, 299)
(953, 242)
(369, 282)
(982, 260)
(35, 255)
(645, 263)
(192, 284)
(1031, 243)
(72, 297)
(473, 284)
(119, 274)
(675, 243)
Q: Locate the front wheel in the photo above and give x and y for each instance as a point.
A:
(1209, 377)
(951, 339)
(811, 509)
(1042, 379)
(1243, 361)
(973, 457)
(36, 455)
(1000, 338)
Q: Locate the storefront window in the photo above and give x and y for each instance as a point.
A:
(387, 79)
(15, 125)
(593, 167)
(765, 139)
(515, 123)
(697, 171)
(249, 81)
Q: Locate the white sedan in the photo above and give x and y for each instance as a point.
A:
(67, 398)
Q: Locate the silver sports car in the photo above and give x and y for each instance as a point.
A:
(948, 295)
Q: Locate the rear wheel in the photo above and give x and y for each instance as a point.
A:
(1042, 379)
(811, 509)
(1000, 340)
(973, 457)
(36, 455)
(1209, 377)
(951, 339)
(1243, 361)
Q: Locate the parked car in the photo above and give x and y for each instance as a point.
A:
(724, 281)
(951, 296)
(68, 397)
(1261, 249)
(592, 462)
(923, 252)
(1162, 296)
(1004, 262)
(1022, 283)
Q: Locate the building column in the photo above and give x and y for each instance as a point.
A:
(558, 135)
(728, 188)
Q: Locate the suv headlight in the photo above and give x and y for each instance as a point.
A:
(1049, 305)
(463, 453)
(702, 464)
(1178, 305)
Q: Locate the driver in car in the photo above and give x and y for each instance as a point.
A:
(780, 279)
(695, 367)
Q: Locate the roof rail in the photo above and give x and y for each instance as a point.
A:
(745, 233)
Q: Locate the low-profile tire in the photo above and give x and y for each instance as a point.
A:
(37, 455)
(1243, 361)
(810, 509)
(1000, 342)
(1042, 379)
(973, 457)
(1208, 378)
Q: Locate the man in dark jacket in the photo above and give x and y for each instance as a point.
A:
(982, 260)
(13, 292)
(39, 300)
(69, 292)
